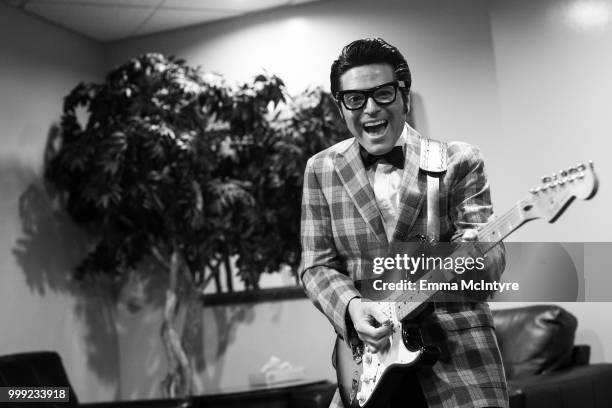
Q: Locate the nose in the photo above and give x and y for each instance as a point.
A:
(371, 106)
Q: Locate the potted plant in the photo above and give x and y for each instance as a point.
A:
(163, 161)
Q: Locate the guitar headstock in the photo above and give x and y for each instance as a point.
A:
(557, 191)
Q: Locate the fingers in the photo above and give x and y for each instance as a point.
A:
(470, 235)
(373, 327)
(380, 345)
(375, 312)
(371, 334)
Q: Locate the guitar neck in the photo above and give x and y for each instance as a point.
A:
(408, 303)
(547, 201)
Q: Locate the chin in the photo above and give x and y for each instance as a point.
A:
(378, 148)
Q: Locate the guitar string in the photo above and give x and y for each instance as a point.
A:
(510, 215)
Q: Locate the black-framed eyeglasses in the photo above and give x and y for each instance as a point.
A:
(354, 99)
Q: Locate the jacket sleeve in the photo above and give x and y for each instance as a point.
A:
(470, 206)
(323, 274)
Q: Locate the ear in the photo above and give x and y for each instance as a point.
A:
(339, 106)
(406, 102)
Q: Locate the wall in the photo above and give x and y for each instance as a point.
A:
(448, 44)
(41, 309)
(515, 78)
(518, 79)
(524, 81)
(552, 63)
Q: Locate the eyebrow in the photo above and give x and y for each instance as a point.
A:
(374, 87)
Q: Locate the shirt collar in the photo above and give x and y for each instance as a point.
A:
(401, 141)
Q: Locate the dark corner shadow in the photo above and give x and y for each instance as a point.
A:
(49, 248)
(417, 117)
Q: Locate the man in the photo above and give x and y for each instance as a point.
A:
(356, 204)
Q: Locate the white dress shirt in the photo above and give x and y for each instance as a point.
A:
(385, 180)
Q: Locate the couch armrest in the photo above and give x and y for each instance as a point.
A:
(535, 339)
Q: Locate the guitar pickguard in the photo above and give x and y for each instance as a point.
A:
(405, 350)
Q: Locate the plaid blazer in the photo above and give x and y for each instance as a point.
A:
(342, 231)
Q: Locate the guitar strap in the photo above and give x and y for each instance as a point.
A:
(434, 164)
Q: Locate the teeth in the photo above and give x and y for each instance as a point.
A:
(375, 126)
(376, 123)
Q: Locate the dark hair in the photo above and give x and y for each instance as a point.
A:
(370, 51)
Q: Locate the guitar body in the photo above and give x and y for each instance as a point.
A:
(370, 381)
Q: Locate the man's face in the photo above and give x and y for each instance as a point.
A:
(376, 127)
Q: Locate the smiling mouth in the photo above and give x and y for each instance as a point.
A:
(375, 127)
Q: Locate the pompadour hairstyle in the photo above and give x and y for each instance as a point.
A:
(370, 51)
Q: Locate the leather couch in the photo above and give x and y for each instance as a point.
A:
(543, 366)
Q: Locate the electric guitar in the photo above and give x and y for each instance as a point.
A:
(368, 380)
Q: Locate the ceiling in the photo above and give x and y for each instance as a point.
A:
(108, 20)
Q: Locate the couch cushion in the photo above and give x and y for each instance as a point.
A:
(534, 339)
(576, 387)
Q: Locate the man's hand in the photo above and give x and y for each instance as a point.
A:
(469, 235)
(468, 250)
(491, 270)
(372, 326)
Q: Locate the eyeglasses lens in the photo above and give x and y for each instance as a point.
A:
(357, 99)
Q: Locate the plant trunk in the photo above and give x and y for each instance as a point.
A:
(228, 273)
(178, 381)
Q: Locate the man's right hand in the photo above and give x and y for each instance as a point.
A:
(371, 325)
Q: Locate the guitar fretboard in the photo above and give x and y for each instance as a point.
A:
(489, 235)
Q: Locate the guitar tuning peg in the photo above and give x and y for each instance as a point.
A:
(546, 179)
(591, 165)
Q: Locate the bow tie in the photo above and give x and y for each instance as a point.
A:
(395, 157)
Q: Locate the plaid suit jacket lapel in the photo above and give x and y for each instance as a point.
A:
(349, 166)
(413, 188)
